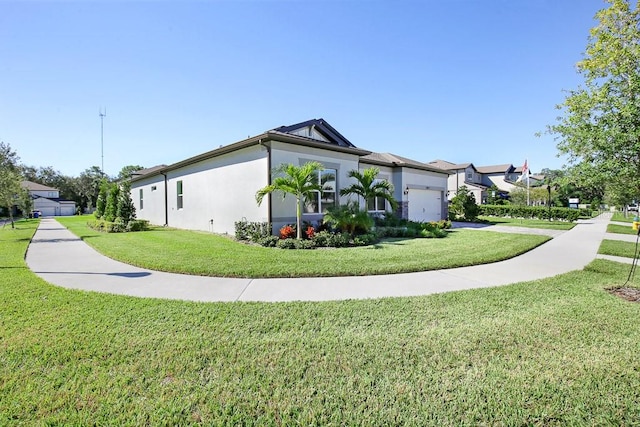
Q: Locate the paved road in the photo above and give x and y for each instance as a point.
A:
(61, 258)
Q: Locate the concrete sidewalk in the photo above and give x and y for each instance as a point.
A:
(61, 258)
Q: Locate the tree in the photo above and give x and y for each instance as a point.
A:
(300, 181)
(11, 190)
(600, 126)
(111, 208)
(101, 202)
(126, 209)
(370, 188)
(127, 171)
(463, 206)
(88, 186)
(348, 218)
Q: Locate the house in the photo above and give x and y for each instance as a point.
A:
(479, 179)
(47, 200)
(213, 190)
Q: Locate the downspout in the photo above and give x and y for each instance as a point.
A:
(166, 203)
(268, 148)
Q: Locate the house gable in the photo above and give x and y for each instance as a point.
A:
(316, 129)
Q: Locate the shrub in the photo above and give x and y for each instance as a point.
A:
(535, 212)
(118, 225)
(288, 232)
(310, 232)
(304, 244)
(268, 241)
(348, 218)
(254, 231)
(137, 225)
(286, 243)
(365, 239)
(463, 206)
(321, 238)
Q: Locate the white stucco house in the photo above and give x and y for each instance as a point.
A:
(213, 190)
(47, 200)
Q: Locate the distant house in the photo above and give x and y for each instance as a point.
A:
(478, 179)
(47, 200)
(213, 190)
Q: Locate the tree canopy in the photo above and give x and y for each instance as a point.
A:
(599, 128)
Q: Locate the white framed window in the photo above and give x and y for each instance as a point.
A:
(141, 199)
(179, 194)
(470, 176)
(320, 201)
(377, 204)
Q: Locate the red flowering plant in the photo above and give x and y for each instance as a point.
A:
(287, 232)
(311, 231)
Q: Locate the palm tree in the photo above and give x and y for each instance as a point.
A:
(368, 188)
(301, 181)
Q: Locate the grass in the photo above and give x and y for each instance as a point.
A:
(617, 248)
(206, 254)
(529, 223)
(619, 216)
(559, 351)
(621, 229)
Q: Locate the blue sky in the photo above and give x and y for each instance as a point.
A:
(459, 80)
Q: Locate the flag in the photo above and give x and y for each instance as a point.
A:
(525, 172)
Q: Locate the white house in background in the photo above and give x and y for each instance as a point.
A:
(47, 200)
(213, 190)
(479, 179)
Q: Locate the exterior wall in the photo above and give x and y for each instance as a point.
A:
(284, 210)
(152, 208)
(386, 173)
(49, 207)
(54, 194)
(411, 180)
(216, 192)
(458, 180)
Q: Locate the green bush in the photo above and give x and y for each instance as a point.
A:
(253, 231)
(304, 244)
(268, 241)
(365, 239)
(533, 212)
(321, 238)
(463, 206)
(138, 225)
(286, 244)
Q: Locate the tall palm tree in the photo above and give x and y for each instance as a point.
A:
(368, 188)
(301, 181)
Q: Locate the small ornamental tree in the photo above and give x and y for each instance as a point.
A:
(300, 181)
(126, 209)
(369, 187)
(463, 206)
(111, 209)
(101, 203)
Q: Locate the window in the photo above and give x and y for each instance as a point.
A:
(141, 200)
(179, 191)
(320, 201)
(377, 204)
(470, 175)
(52, 194)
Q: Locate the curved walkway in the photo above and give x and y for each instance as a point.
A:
(59, 257)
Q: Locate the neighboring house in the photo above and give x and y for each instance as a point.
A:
(213, 190)
(479, 179)
(47, 200)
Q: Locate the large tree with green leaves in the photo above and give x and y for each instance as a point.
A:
(599, 128)
(11, 190)
(369, 187)
(299, 181)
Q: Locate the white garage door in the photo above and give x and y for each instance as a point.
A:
(425, 205)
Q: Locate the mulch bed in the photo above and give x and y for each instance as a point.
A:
(629, 294)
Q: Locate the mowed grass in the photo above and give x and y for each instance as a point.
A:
(201, 253)
(619, 216)
(621, 229)
(529, 223)
(617, 248)
(560, 351)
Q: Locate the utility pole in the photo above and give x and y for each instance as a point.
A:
(102, 116)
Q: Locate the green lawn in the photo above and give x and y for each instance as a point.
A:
(617, 248)
(559, 351)
(619, 216)
(530, 223)
(206, 254)
(621, 229)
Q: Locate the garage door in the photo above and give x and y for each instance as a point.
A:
(425, 205)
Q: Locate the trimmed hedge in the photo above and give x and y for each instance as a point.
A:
(118, 226)
(534, 212)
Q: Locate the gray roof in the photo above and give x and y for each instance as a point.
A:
(508, 167)
(443, 164)
(322, 127)
(34, 186)
(389, 159)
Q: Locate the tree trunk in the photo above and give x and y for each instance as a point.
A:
(299, 218)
